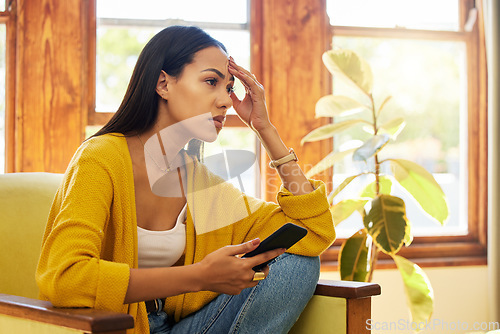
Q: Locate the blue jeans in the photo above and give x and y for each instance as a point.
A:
(272, 306)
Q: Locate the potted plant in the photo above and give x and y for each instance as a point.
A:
(386, 227)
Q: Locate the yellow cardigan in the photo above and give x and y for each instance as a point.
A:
(90, 242)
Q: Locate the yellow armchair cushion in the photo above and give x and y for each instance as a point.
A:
(25, 200)
(325, 315)
(10, 324)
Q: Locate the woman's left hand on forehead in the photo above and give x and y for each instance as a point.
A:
(252, 108)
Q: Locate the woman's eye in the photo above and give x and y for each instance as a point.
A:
(212, 82)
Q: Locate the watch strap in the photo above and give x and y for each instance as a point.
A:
(287, 158)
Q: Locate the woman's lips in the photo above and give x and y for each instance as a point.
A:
(218, 124)
(219, 121)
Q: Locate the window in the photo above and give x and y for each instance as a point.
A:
(431, 15)
(121, 35)
(425, 55)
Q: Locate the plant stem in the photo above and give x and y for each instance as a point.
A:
(374, 249)
(377, 164)
(373, 261)
(374, 114)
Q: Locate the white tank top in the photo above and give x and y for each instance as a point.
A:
(162, 248)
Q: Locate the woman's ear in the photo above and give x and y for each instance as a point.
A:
(162, 85)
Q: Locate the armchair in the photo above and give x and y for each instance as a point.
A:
(25, 199)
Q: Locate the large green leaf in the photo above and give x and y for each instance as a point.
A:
(347, 65)
(393, 127)
(387, 223)
(408, 237)
(328, 162)
(370, 147)
(422, 186)
(419, 292)
(385, 184)
(327, 131)
(368, 129)
(354, 257)
(344, 209)
(337, 105)
(342, 186)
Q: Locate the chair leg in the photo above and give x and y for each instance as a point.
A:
(358, 313)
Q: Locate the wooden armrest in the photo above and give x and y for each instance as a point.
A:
(347, 289)
(85, 319)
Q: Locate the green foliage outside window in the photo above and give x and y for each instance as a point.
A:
(117, 53)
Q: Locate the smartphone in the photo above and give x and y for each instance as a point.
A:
(285, 237)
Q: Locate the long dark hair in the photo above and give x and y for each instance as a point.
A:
(169, 50)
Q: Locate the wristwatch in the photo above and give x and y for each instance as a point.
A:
(287, 158)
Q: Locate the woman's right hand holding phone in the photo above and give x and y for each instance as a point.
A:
(225, 271)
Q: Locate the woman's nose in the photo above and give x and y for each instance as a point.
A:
(225, 101)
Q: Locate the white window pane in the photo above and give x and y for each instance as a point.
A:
(428, 84)
(237, 43)
(228, 11)
(410, 14)
(2, 96)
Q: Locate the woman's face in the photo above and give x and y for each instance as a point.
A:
(200, 97)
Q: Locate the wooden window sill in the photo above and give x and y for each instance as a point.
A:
(445, 254)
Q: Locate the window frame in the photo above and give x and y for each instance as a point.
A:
(432, 251)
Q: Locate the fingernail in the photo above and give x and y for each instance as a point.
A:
(255, 241)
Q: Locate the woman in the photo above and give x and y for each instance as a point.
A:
(140, 226)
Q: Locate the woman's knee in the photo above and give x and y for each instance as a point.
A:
(297, 266)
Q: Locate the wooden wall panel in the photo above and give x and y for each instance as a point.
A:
(50, 83)
(288, 39)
